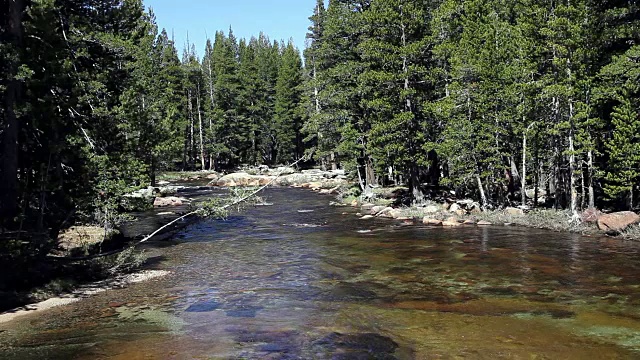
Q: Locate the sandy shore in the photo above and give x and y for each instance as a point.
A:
(81, 293)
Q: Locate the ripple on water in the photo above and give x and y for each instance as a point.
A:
(251, 287)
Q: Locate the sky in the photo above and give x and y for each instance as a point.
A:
(279, 19)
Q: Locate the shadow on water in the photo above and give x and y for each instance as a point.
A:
(300, 280)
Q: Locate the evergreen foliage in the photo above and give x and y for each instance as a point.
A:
(472, 94)
(484, 98)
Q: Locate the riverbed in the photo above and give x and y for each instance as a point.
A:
(303, 280)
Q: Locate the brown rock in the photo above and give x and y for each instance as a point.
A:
(265, 180)
(616, 222)
(167, 201)
(235, 179)
(367, 207)
(448, 223)
(331, 191)
(590, 215)
(430, 221)
(475, 208)
(387, 212)
(395, 214)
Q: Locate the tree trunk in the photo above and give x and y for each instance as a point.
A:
(185, 151)
(152, 174)
(592, 201)
(334, 163)
(414, 184)
(370, 175)
(211, 91)
(572, 164)
(483, 197)
(523, 185)
(414, 172)
(191, 131)
(515, 177)
(360, 180)
(9, 170)
(202, 158)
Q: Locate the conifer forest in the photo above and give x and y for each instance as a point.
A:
(507, 102)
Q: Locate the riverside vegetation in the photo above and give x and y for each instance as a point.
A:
(529, 103)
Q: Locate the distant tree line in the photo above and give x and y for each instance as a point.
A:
(488, 98)
(96, 101)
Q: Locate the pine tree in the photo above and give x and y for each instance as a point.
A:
(288, 116)
(225, 111)
(343, 121)
(395, 50)
(624, 152)
(622, 82)
(315, 128)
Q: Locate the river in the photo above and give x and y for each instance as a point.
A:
(303, 280)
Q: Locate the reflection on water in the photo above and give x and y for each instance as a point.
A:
(298, 280)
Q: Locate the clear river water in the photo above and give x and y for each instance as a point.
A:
(303, 280)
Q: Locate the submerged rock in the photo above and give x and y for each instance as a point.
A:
(204, 306)
(616, 222)
(448, 223)
(357, 346)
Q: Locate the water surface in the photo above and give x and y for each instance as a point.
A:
(302, 280)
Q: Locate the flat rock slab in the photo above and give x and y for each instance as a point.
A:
(616, 222)
(429, 221)
(168, 201)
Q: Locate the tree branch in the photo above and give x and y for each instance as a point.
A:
(148, 237)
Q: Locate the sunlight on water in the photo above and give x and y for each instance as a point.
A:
(298, 280)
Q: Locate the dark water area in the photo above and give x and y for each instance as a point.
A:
(301, 280)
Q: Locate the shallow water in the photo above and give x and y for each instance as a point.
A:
(300, 280)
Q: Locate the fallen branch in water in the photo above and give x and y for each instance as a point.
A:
(195, 212)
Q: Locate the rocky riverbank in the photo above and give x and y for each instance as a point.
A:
(466, 212)
(448, 213)
(313, 179)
